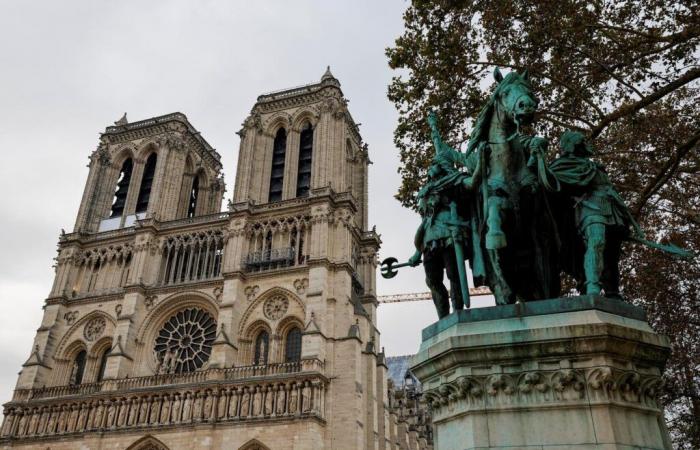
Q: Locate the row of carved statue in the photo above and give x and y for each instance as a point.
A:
(597, 384)
(212, 404)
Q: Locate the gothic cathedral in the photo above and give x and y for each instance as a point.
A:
(172, 325)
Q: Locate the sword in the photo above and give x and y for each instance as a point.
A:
(459, 255)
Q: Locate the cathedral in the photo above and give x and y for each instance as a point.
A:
(173, 325)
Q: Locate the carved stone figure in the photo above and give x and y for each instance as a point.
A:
(269, 399)
(165, 410)
(306, 399)
(293, 399)
(53, 416)
(223, 404)
(175, 416)
(111, 415)
(245, 402)
(143, 411)
(197, 412)
(99, 415)
(133, 411)
(208, 404)
(233, 403)
(257, 401)
(187, 407)
(280, 403)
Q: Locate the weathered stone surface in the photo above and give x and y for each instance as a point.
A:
(574, 373)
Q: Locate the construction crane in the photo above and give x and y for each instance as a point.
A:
(420, 296)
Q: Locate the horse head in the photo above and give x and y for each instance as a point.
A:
(514, 96)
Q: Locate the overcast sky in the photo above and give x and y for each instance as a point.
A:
(71, 68)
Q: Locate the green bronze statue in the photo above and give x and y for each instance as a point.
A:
(443, 234)
(517, 220)
(601, 217)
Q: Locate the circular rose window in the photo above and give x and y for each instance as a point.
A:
(275, 307)
(184, 343)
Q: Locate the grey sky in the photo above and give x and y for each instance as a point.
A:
(71, 68)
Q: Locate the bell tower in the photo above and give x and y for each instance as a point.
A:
(160, 168)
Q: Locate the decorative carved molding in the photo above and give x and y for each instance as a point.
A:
(71, 317)
(599, 384)
(301, 284)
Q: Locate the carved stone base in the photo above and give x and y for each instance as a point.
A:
(569, 373)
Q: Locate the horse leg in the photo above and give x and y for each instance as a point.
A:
(499, 286)
(495, 237)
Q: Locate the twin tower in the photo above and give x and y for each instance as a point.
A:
(173, 325)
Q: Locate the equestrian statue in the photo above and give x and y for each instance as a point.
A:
(516, 219)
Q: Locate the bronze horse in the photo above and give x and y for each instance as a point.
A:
(514, 240)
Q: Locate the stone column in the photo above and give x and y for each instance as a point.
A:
(576, 373)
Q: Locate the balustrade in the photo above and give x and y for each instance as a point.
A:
(240, 373)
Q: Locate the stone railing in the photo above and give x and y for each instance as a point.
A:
(56, 391)
(292, 395)
(220, 216)
(126, 384)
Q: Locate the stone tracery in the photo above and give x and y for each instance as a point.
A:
(184, 343)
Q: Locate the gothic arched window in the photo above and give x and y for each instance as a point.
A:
(262, 346)
(277, 174)
(194, 195)
(103, 364)
(122, 189)
(149, 172)
(292, 346)
(78, 369)
(304, 168)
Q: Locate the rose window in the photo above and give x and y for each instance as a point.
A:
(184, 343)
(275, 307)
(94, 328)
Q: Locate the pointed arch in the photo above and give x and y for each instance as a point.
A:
(304, 116)
(279, 151)
(148, 442)
(306, 144)
(254, 444)
(149, 172)
(261, 299)
(63, 349)
(121, 189)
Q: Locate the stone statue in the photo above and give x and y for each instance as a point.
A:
(245, 402)
(600, 218)
(186, 407)
(208, 403)
(269, 397)
(175, 415)
(293, 399)
(222, 406)
(165, 410)
(233, 404)
(279, 403)
(257, 402)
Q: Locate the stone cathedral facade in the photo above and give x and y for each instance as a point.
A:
(173, 325)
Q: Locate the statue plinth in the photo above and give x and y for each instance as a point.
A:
(576, 373)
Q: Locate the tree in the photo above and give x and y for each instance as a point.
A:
(624, 72)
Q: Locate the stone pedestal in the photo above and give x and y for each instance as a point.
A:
(569, 373)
